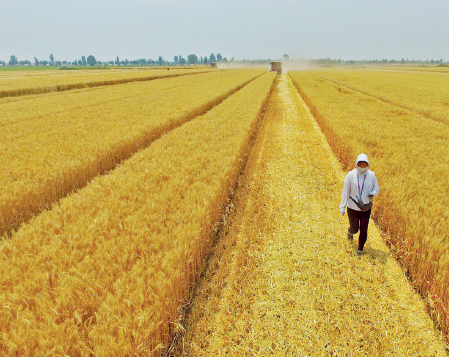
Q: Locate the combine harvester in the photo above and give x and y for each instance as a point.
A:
(276, 66)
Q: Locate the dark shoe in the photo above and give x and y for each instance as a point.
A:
(359, 252)
(350, 236)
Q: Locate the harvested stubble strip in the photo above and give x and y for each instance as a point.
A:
(424, 93)
(284, 280)
(44, 159)
(410, 155)
(107, 270)
(13, 86)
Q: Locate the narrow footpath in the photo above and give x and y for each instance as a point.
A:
(283, 279)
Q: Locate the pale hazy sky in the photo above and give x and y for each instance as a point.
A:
(133, 29)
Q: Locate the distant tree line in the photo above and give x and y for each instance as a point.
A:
(336, 62)
(205, 60)
(91, 61)
(329, 61)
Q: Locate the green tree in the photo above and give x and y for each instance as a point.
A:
(160, 60)
(176, 59)
(83, 60)
(126, 62)
(91, 60)
(13, 61)
(182, 61)
(212, 58)
(219, 58)
(117, 61)
(52, 60)
(205, 59)
(36, 62)
(192, 58)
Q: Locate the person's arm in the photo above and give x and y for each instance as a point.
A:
(345, 194)
(375, 190)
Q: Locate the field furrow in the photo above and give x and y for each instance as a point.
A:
(410, 157)
(13, 84)
(283, 279)
(45, 158)
(107, 270)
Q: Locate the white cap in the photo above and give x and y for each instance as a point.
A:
(361, 157)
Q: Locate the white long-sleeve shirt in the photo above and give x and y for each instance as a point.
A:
(353, 181)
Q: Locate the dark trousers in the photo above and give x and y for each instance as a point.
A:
(359, 220)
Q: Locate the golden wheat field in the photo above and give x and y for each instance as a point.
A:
(49, 152)
(436, 69)
(410, 152)
(29, 82)
(284, 281)
(420, 92)
(198, 215)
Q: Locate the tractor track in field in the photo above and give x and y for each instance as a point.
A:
(282, 278)
(423, 113)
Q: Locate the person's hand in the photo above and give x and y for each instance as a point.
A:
(370, 197)
(342, 213)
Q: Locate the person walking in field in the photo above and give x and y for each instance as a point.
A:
(360, 188)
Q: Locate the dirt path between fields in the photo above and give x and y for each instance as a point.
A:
(284, 280)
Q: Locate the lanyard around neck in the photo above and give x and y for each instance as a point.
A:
(363, 185)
